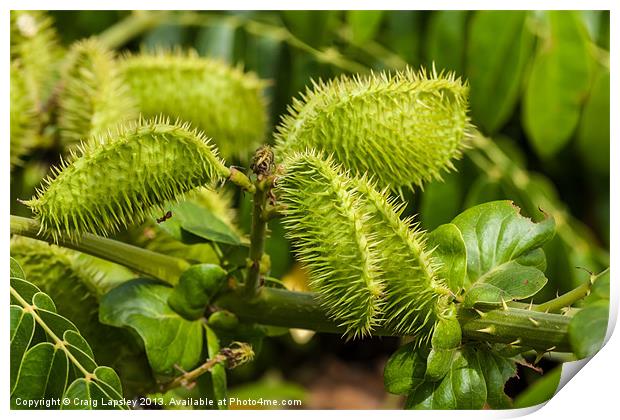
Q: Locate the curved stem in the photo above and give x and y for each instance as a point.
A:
(130, 27)
(568, 298)
(138, 259)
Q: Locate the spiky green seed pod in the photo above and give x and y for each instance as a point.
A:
(94, 97)
(23, 117)
(415, 297)
(221, 100)
(403, 129)
(114, 181)
(36, 48)
(332, 236)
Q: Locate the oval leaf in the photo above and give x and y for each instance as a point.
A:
(169, 339)
(504, 259)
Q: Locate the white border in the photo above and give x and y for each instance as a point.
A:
(591, 394)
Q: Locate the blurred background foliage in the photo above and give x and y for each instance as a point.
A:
(539, 93)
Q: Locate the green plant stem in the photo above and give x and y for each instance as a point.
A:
(568, 298)
(138, 259)
(257, 237)
(241, 180)
(131, 26)
(279, 307)
(188, 377)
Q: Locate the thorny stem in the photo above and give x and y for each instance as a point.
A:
(138, 259)
(263, 168)
(568, 298)
(279, 307)
(525, 328)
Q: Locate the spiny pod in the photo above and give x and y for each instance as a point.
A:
(36, 48)
(403, 129)
(332, 236)
(23, 117)
(221, 100)
(94, 97)
(114, 181)
(415, 297)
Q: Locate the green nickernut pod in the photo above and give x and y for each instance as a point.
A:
(223, 320)
(445, 340)
(196, 288)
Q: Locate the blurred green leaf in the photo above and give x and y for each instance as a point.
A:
(269, 387)
(217, 41)
(314, 27)
(540, 391)
(445, 40)
(504, 260)
(499, 47)
(558, 84)
(593, 134)
(403, 34)
(364, 24)
(164, 36)
(169, 340)
(441, 201)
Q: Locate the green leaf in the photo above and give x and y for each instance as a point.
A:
(504, 259)
(446, 40)
(96, 394)
(218, 372)
(22, 330)
(169, 340)
(496, 370)
(441, 201)
(540, 391)
(558, 84)
(16, 270)
(587, 329)
(462, 388)
(499, 45)
(593, 133)
(43, 372)
(217, 41)
(192, 223)
(364, 24)
(404, 371)
(197, 286)
(314, 27)
(451, 253)
(41, 368)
